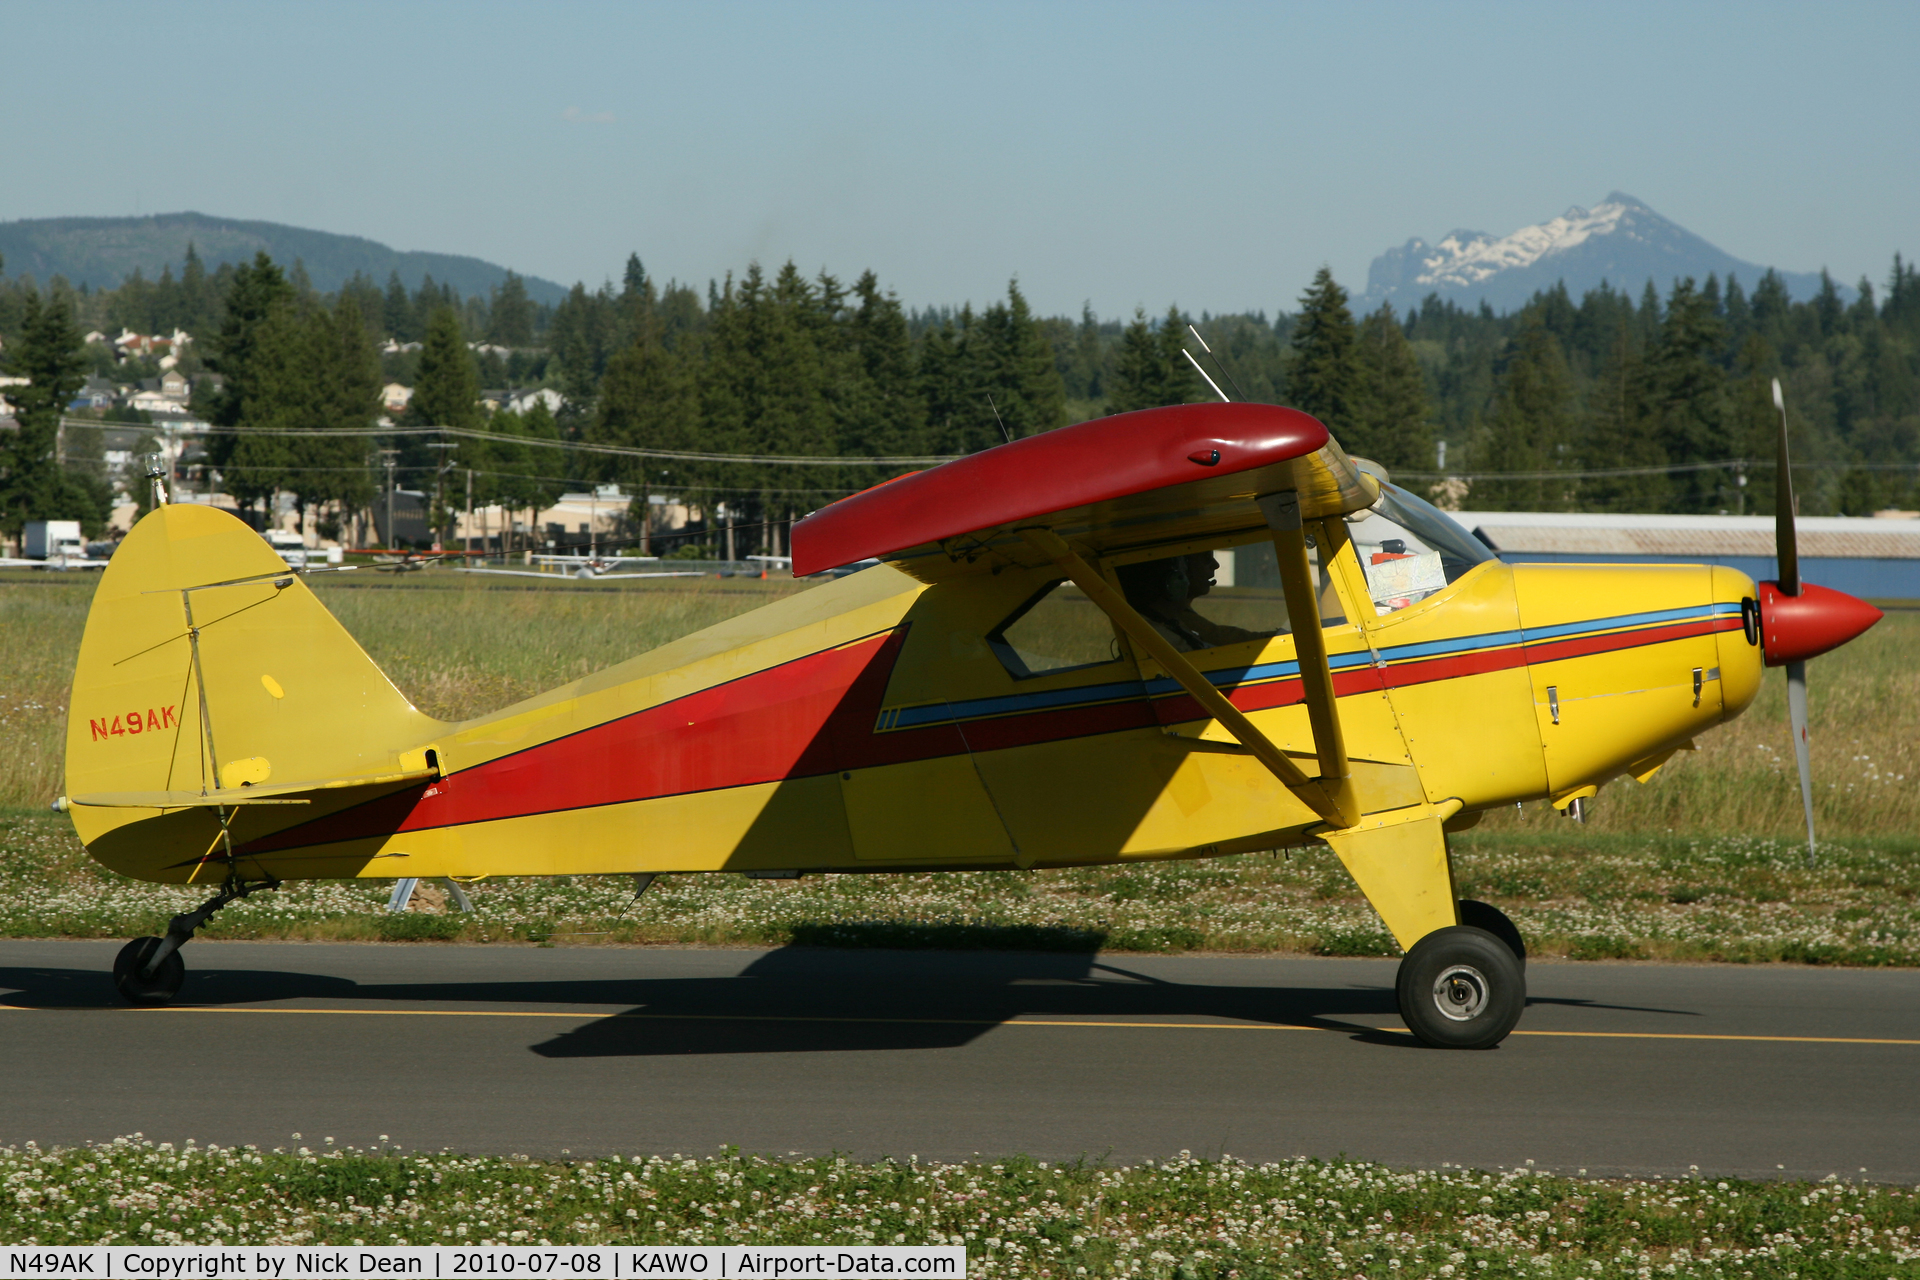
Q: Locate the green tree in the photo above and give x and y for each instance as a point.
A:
(1151, 369)
(1389, 421)
(895, 423)
(583, 335)
(447, 392)
(1182, 385)
(333, 471)
(260, 353)
(397, 312)
(1325, 377)
(284, 368)
(510, 317)
(955, 419)
(1136, 381)
(542, 460)
(1533, 425)
(1015, 366)
(1619, 433)
(1684, 395)
(647, 400)
(33, 483)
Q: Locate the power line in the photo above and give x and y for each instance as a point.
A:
(814, 460)
(515, 475)
(579, 446)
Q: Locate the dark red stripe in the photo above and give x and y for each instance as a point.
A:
(1454, 665)
(1585, 646)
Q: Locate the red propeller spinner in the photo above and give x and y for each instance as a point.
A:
(1794, 628)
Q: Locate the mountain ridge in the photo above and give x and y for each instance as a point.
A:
(101, 252)
(1621, 241)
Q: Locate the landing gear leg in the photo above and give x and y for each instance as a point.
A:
(149, 970)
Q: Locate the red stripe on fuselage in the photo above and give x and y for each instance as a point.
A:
(788, 721)
(815, 715)
(1584, 646)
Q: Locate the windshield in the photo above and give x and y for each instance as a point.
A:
(1410, 549)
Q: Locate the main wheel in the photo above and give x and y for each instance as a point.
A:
(1461, 988)
(1482, 916)
(138, 987)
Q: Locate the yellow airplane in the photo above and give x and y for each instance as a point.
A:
(1040, 673)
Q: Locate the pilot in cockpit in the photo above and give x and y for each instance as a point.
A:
(1164, 591)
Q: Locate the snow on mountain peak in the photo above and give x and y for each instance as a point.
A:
(1465, 258)
(1619, 242)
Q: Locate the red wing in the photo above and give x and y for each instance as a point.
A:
(1154, 476)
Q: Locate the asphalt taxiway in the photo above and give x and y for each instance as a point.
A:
(1616, 1068)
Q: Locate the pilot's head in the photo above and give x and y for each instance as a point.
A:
(1200, 568)
(1173, 581)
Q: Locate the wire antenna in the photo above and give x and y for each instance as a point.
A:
(1203, 373)
(1218, 363)
(997, 418)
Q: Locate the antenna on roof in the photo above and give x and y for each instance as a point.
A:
(997, 418)
(1218, 363)
(1203, 373)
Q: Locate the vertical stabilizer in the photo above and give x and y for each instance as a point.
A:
(208, 665)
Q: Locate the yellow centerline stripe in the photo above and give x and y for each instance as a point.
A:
(941, 1022)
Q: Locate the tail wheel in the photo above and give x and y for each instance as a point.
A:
(1494, 921)
(1461, 988)
(135, 985)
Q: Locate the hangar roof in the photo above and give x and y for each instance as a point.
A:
(1567, 533)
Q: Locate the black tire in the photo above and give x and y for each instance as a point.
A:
(159, 987)
(1461, 988)
(1482, 916)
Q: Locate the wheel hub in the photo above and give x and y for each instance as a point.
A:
(1460, 992)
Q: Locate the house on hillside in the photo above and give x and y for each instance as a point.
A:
(395, 396)
(527, 399)
(167, 393)
(95, 393)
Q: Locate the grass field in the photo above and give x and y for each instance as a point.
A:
(1185, 1219)
(1701, 864)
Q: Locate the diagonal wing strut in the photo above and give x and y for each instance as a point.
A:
(1333, 803)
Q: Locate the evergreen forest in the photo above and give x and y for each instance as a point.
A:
(1607, 402)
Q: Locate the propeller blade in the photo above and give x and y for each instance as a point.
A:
(1797, 713)
(1786, 541)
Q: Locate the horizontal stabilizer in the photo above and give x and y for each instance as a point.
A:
(278, 793)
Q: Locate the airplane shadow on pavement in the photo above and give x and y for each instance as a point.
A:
(793, 1000)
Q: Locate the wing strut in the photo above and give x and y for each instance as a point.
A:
(1282, 511)
(1211, 700)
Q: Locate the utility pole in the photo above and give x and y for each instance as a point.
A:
(466, 534)
(440, 491)
(389, 458)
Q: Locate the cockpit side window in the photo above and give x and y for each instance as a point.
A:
(1409, 549)
(1056, 630)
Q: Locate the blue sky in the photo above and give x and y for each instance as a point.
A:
(1127, 154)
